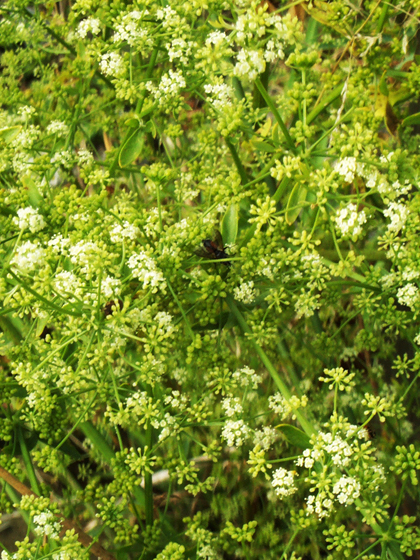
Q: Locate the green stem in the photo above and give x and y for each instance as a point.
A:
(276, 114)
(382, 17)
(148, 486)
(238, 163)
(40, 297)
(280, 189)
(399, 500)
(187, 324)
(139, 108)
(282, 387)
(79, 420)
(336, 92)
(28, 462)
(366, 550)
(289, 544)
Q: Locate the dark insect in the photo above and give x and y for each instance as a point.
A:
(370, 431)
(46, 331)
(214, 249)
(108, 309)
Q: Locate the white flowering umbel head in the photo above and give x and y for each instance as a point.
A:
(29, 218)
(283, 482)
(28, 256)
(145, 269)
(46, 524)
(235, 433)
(349, 222)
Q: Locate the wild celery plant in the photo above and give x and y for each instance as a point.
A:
(171, 405)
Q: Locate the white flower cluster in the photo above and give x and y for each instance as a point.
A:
(126, 231)
(57, 127)
(58, 243)
(232, 406)
(318, 504)
(177, 400)
(348, 168)
(169, 426)
(284, 408)
(170, 86)
(131, 30)
(216, 38)
(84, 158)
(144, 268)
(110, 287)
(349, 221)
(245, 292)
(338, 449)
(64, 158)
(68, 285)
(398, 214)
(28, 256)
(169, 17)
(235, 432)
(246, 377)
(250, 64)
(84, 254)
(408, 295)
(112, 64)
(273, 50)
(29, 218)
(179, 49)
(46, 524)
(89, 25)
(333, 453)
(163, 323)
(219, 94)
(26, 111)
(26, 138)
(283, 482)
(346, 489)
(265, 437)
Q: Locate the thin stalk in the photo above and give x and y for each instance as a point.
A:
(289, 544)
(336, 92)
(78, 421)
(284, 390)
(139, 107)
(28, 462)
(187, 324)
(148, 485)
(238, 163)
(276, 114)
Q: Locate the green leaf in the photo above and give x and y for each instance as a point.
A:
(392, 551)
(412, 119)
(264, 147)
(35, 197)
(41, 324)
(230, 225)
(8, 134)
(295, 436)
(11, 328)
(132, 148)
(15, 449)
(383, 87)
(294, 207)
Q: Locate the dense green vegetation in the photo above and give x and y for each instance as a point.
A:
(209, 298)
